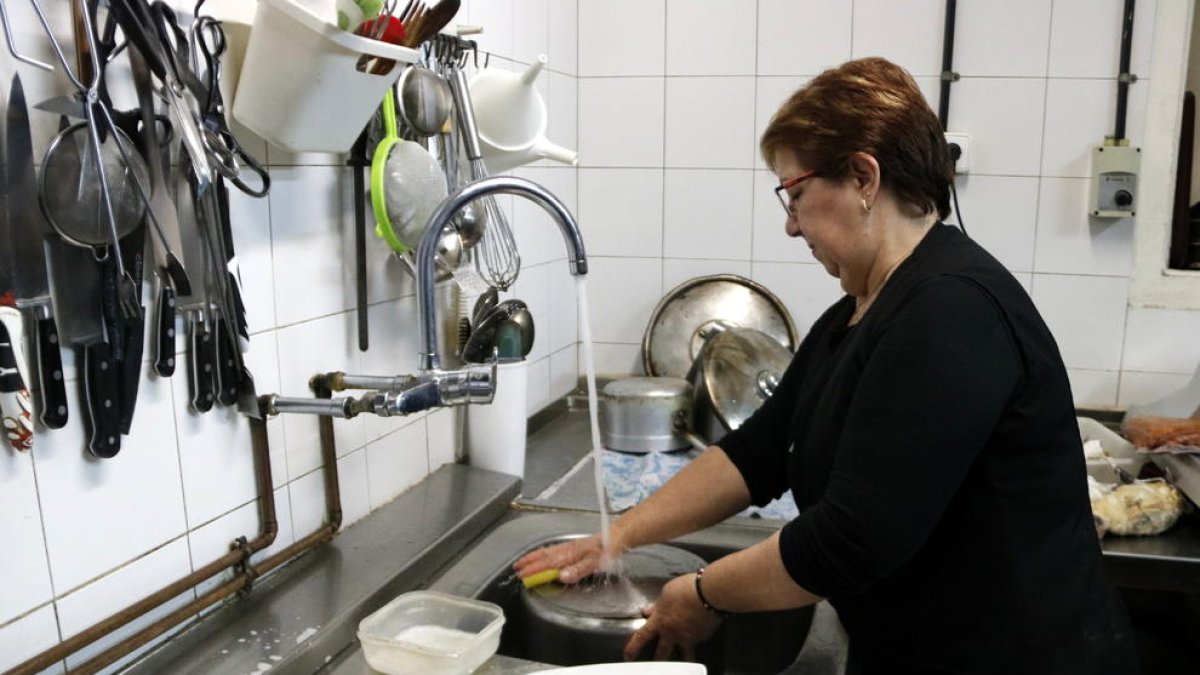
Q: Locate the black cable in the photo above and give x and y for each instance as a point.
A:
(947, 63)
(1124, 78)
(957, 211)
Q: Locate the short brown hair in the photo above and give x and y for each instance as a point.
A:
(868, 105)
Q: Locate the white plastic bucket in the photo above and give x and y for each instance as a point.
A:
(300, 87)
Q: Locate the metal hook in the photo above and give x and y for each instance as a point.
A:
(12, 47)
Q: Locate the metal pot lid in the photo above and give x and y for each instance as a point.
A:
(642, 574)
(647, 388)
(741, 368)
(698, 308)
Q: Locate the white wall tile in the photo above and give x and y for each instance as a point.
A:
(311, 279)
(770, 240)
(1162, 341)
(537, 388)
(352, 485)
(802, 37)
(74, 487)
(24, 570)
(708, 214)
(986, 42)
(621, 122)
(617, 315)
(107, 595)
(319, 346)
(1146, 388)
(1085, 38)
(711, 37)
(621, 210)
(250, 220)
(806, 290)
(496, 18)
(615, 359)
(564, 372)
(538, 238)
(564, 36)
(1069, 241)
(397, 351)
(1004, 118)
(562, 110)
(216, 458)
(1079, 115)
(606, 30)
(906, 33)
(1086, 316)
(531, 29)
(1093, 387)
(564, 308)
(1001, 213)
(28, 636)
(444, 429)
(307, 497)
(709, 122)
(209, 542)
(678, 270)
(396, 463)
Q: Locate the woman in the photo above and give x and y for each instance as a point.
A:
(925, 428)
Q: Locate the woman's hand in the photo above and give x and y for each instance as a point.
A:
(575, 559)
(678, 620)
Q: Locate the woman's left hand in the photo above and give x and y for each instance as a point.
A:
(678, 620)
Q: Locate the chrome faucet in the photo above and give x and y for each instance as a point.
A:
(432, 386)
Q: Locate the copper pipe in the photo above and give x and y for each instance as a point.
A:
(269, 527)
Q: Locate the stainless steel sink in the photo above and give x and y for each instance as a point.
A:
(751, 643)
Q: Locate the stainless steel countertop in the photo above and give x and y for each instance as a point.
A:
(323, 595)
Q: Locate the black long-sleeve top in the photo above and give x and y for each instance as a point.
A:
(933, 451)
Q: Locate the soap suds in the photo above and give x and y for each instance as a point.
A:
(308, 633)
(276, 657)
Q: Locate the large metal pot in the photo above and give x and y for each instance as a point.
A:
(736, 371)
(590, 622)
(641, 414)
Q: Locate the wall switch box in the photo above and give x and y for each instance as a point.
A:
(1114, 181)
(962, 163)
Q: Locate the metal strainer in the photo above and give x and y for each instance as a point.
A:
(72, 194)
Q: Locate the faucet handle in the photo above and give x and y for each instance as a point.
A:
(473, 383)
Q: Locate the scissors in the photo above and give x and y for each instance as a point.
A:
(230, 159)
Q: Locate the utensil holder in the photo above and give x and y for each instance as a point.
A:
(496, 432)
(300, 86)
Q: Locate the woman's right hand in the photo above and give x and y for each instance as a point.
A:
(575, 559)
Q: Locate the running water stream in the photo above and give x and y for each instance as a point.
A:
(589, 363)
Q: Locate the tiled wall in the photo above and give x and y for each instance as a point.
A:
(84, 538)
(671, 106)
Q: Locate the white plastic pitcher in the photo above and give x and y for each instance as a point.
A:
(512, 119)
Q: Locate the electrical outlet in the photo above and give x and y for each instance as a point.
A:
(963, 163)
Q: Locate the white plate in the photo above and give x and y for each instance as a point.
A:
(635, 668)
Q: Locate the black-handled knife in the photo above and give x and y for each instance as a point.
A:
(164, 332)
(201, 364)
(24, 232)
(102, 389)
(53, 388)
(228, 358)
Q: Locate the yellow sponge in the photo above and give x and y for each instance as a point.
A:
(543, 577)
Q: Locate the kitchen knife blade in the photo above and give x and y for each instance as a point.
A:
(28, 230)
(15, 405)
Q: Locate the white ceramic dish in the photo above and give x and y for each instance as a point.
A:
(635, 668)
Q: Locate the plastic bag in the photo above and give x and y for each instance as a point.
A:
(1141, 508)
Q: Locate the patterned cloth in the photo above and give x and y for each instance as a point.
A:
(629, 478)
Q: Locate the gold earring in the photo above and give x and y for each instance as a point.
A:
(865, 205)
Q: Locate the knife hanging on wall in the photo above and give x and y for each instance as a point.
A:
(28, 233)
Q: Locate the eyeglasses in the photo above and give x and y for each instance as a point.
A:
(781, 191)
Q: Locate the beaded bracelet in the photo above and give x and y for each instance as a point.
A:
(720, 613)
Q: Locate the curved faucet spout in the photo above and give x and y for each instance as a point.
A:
(483, 187)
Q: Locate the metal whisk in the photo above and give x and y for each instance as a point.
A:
(496, 257)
